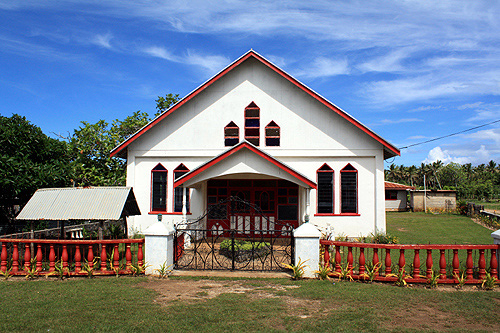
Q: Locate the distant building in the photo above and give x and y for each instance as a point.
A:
(396, 196)
(433, 200)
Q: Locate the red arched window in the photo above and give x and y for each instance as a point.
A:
(159, 188)
(349, 190)
(272, 134)
(231, 134)
(325, 189)
(252, 124)
(179, 172)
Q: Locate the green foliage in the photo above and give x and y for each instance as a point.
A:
(137, 269)
(432, 281)
(90, 268)
(461, 278)
(401, 277)
(28, 160)
(345, 273)
(382, 238)
(297, 270)
(323, 272)
(164, 271)
(240, 245)
(489, 282)
(31, 270)
(371, 271)
(60, 271)
(164, 103)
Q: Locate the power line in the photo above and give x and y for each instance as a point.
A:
(446, 136)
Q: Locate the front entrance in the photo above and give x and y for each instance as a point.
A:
(266, 201)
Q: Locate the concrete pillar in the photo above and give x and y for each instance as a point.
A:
(496, 240)
(158, 247)
(307, 248)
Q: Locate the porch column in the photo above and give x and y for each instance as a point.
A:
(308, 205)
(184, 208)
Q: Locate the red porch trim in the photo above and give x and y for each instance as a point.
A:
(235, 149)
(252, 54)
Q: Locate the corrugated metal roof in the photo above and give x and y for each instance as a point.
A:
(396, 186)
(92, 203)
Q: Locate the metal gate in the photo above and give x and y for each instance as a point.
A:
(222, 248)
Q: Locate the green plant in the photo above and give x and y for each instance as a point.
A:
(297, 270)
(7, 274)
(31, 270)
(383, 238)
(371, 271)
(323, 272)
(345, 273)
(137, 269)
(489, 281)
(60, 271)
(461, 278)
(164, 271)
(89, 269)
(401, 277)
(432, 281)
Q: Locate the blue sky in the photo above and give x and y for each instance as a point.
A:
(410, 70)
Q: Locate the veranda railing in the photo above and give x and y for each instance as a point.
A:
(106, 257)
(419, 262)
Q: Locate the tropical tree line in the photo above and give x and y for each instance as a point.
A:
(29, 159)
(481, 182)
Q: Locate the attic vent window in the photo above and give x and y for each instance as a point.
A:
(252, 124)
(272, 134)
(231, 134)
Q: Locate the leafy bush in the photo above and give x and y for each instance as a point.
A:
(383, 238)
(244, 250)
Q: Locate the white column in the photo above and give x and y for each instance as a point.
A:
(307, 248)
(496, 240)
(158, 247)
(307, 215)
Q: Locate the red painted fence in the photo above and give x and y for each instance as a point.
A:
(113, 256)
(443, 259)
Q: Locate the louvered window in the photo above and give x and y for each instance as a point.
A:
(252, 124)
(325, 190)
(272, 134)
(179, 172)
(349, 189)
(159, 188)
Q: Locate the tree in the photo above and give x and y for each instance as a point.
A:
(164, 103)
(29, 160)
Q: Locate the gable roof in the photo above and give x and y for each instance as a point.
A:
(77, 203)
(389, 149)
(296, 176)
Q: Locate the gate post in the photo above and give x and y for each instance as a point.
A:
(307, 248)
(159, 247)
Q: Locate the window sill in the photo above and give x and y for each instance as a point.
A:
(166, 213)
(344, 214)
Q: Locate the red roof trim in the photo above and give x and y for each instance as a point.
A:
(294, 81)
(396, 186)
(234, 150)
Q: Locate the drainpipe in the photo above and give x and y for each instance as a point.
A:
(308, 205)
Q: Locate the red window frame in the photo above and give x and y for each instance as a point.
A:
(231, 140)
(349, 169)
(325, 168)
(272, 140)
(252, 124)
(159, 168)
(179, 171)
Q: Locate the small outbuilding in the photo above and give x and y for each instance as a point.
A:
(396, 196)
(433, 200)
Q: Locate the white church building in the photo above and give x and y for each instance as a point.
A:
(254, 132)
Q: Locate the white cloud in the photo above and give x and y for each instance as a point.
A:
(399, 121)
(437, 154)
(324, 67)
(388, 63)
(212, 63)
(103, 40)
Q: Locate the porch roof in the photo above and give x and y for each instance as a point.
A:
(244, 158)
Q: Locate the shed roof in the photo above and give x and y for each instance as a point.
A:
(396, 186)
(76, 203)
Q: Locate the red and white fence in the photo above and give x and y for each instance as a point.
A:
(448, 261)
(115, 256)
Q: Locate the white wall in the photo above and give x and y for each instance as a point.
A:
(311, 135)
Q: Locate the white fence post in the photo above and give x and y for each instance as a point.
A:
(307, 248)
(159, 247)
(496, 240)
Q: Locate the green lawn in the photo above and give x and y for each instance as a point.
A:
(422, 228)
(125, 304)
(494, 204)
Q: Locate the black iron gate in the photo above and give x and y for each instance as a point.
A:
(219, 248)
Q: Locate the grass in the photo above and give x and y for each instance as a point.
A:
(422, 228)
(494, 204)
(110, 304)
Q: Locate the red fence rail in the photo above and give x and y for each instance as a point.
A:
(112, 257)
(452, 260)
